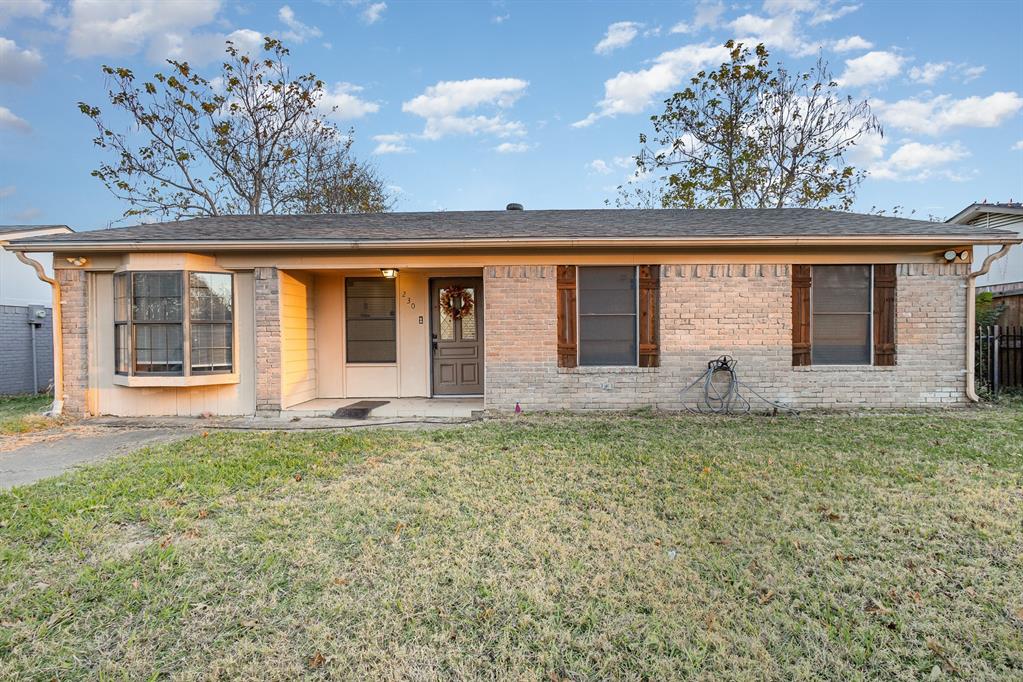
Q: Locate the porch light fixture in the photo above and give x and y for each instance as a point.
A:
(389, 273)
(77, 261)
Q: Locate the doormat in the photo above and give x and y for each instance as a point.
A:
(359, 410)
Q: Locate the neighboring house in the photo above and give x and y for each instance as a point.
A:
(26, 316)
(1005, 279)
(584, 309)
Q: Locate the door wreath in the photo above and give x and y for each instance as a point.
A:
(456, 302)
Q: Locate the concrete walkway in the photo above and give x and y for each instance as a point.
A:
(50, 453)
(44, 458)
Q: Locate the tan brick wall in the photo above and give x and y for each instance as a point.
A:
(268, 341)
(74, 324)
(710, 310)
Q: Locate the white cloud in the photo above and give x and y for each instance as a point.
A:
(681, 27)
(202, 48)
(780, 31)
(7, 191)
(445, 105)
(630, 92)
(374, 12)
(929, 72)
(1018, 146)
(342, 103)
(500, 18)
(512, 148)
(28, 9)
(392, 143)
(17, 65)
(98, 27)
(916, 161)
(851, 44)
(297, 31)
(941, 113)
(823, 16)
(873, 67)
(10, 121)
(619, 35)
(708, 14)
(599, 166)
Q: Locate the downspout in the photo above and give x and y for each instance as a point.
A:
(58, 337)
(971, 322)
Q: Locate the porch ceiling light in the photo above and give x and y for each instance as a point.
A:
(389, 273)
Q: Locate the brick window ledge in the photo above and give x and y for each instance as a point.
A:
(170, 382)
(844, 368)
(610, 369)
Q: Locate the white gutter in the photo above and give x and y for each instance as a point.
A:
(971, 322)
(526, 242)
(58, 340)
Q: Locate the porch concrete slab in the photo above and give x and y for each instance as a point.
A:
(402, 408)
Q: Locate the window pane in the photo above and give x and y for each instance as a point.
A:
(841, 339)
(122, 342)
(212, 346)
(371, 331)
(122, 300)
(156, 296)
(210, 296)
(607, 290)
(607, 340)
(841, 288)
(159, 348)
(469, 318)
(841, 315)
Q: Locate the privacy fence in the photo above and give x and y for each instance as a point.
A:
(1000, 358)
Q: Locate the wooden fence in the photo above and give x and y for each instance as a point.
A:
(1000, 358)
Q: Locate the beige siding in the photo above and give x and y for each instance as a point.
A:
(298, 338)
(329, 304)
(105, 397)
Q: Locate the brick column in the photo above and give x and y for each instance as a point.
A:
(74, 324)
(268, 342)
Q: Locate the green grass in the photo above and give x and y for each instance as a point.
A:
(21, 413)
(635, 547)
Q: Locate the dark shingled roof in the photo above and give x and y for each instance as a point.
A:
(560, 224)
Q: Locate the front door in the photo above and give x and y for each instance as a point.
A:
(457, 328)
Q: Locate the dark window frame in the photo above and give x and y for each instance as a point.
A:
(579, 315)
(183, 323)
(869, 315)
(348, 318)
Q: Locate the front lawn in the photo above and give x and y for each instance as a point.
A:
(553, 548)
(23, 413)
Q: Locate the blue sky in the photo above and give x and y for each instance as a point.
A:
(471, 105)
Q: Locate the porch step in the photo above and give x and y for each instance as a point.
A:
(359, 410)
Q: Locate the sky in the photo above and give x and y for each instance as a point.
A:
(472, 105)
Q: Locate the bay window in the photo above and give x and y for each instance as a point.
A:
(157, 325)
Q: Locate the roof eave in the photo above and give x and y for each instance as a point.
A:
(970, 212)
(547, 243)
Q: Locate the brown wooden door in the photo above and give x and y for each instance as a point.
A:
(457, 341)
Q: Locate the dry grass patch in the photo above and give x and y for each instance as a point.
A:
(22, 414)
(882, 547)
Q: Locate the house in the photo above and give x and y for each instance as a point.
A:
(548, 310)
(1005, 280)
(26, 316)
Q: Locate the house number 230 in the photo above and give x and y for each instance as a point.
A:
(408, 300)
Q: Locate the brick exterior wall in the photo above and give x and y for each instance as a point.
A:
(711, 310)
(74, 323)
(16, 350)
(268, 341)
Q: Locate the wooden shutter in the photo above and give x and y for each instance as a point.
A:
(649, 314)
(884, 314)
(801, 315)
(567, 334)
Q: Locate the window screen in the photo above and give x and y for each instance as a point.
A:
(211, 303)
(841, 305)
(607, 316)
(371, 331)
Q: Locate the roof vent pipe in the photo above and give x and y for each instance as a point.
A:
(513, 207)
